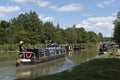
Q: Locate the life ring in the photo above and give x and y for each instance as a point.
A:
(28, 55)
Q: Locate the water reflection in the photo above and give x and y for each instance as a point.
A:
(39, 69)
(8, 56)
(67, 65)
(70, 53)
(82, 55)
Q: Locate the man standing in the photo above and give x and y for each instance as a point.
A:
(21, 48)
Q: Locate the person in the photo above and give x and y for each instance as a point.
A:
(101, 47)
(21, 49)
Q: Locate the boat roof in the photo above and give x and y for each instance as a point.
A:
(51, 48)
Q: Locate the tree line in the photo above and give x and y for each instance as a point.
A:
(30, 29)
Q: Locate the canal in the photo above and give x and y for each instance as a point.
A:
(8, 70)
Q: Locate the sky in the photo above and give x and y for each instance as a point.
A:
(92, 15)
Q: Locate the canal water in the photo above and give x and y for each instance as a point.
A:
(8, 70)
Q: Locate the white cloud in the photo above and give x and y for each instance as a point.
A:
(71, 7)
(87, 14)
(9, 8)
(115, 13)
(19, 1)
(98, 24)
(105, 3)
(48, 19)
(108, 35)
(41, 16)
(21, 13)
(1, 15)
(41, 3)
(101, 21)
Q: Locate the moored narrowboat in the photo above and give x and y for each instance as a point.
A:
(34, 56)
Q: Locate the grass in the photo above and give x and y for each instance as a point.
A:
(106, 67)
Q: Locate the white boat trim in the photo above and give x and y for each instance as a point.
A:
(25, 60)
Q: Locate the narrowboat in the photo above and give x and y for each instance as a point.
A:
(34, 56)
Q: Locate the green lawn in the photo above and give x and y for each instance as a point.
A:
(102, 68)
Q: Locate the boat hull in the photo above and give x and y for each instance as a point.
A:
(26, 62)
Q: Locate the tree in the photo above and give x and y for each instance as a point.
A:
(28, 22)
(92, 36)
(49, 31)
(4, 31)
(71, 35)
(116, 34)
(2, 36)
(59, 35)
(82, 35)
(100, 37)
(22, 35)
(4, 24)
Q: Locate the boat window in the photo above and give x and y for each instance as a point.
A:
(42, 54)
(46, 53)
(57, 51)
(60, 51)
(52, 52)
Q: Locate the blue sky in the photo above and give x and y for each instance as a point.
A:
(93, 15)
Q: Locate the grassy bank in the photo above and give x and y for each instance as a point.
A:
(102, 68)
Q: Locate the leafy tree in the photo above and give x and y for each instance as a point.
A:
(59, 35)
(49, 31)
(71, 35)
(2, 36)
(22, 35)
(3, 31)
(100, 37)
(92, 36)
(85, 38)
(80, 32)
(28, 22)
(4, 24)
(116, 34)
